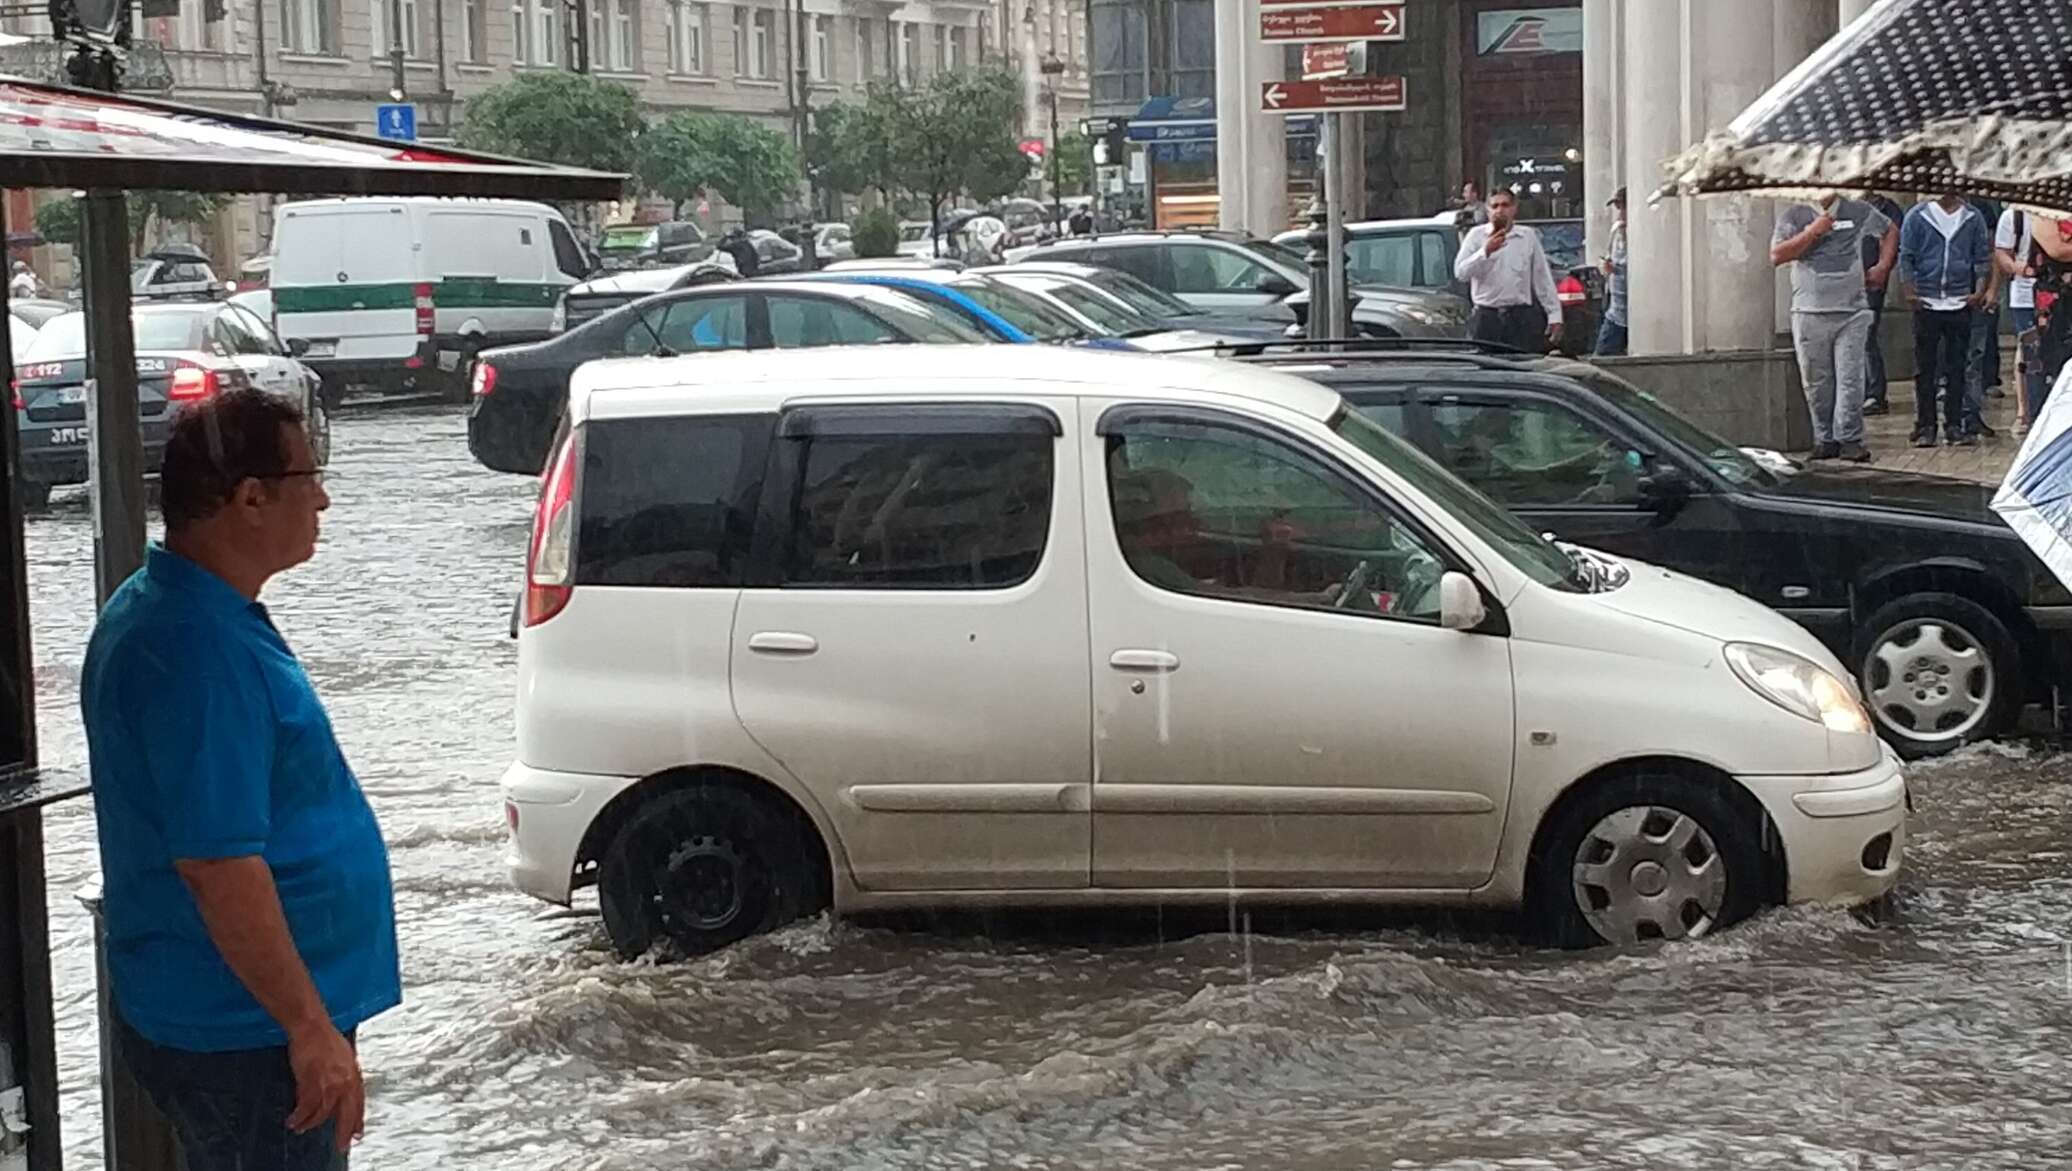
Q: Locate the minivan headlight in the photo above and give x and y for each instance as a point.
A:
(1799, 686)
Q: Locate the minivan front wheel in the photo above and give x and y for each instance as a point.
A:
(1937, 670)
(1650, 856)
(701, 868)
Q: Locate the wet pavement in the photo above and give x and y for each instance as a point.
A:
(1806, 1039)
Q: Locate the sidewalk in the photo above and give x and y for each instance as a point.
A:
(1987, 463)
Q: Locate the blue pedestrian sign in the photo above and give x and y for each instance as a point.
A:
(397, 121)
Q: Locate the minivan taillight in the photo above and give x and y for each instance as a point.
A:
(485, 379)
(192, 382)
(427, 320)
(550, 565)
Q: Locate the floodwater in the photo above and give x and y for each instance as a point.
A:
(1809, 1038)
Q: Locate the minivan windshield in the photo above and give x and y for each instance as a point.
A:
(1532, 554)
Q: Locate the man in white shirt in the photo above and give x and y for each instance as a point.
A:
(1509, 280)
(2014, 249)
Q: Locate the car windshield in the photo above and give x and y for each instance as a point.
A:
(1533, 555)
(1138, 295)
(920, 321)
(1289, 262)
(632, 238)
(63, 338)
(1114, 320)
(913, 233)
(1728, 461)
(1023, 310)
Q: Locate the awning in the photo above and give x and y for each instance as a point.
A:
(1916, 95)
(54, 136)
(1194, 120)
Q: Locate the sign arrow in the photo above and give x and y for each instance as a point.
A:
(1274, 96)
(1332, 21)
(1344, 94)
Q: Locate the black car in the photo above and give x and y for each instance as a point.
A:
(636, 246)
(1948, 620)
(520, 391)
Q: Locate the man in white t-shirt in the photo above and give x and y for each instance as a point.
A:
(2014, 248)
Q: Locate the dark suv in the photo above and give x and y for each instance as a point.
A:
(1948, 620)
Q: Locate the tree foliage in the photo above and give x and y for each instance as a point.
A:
(851, 147)
(58, 220)
(1075, 164)
(557, 117)
(746, 163)
(876, 234)
(955, 134)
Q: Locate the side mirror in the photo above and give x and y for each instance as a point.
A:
(298, 346)
(1460, 602)
(1665, 489)
(1273, 284)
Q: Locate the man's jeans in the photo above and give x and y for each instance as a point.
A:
(2032, 385)
(1874, 350)
(1942, 341)
(1831, 361)
(1981, 364)
(230, 1110)
(1611, 339)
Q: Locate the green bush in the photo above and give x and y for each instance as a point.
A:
(876, 234)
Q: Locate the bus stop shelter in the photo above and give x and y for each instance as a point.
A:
(103, 145)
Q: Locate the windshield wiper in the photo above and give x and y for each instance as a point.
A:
(661, 349)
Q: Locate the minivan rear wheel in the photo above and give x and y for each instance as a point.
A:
(701, 868)
(1650, 856)
(1937, 670)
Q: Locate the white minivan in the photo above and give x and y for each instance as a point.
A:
(909, 627)
(399, 292)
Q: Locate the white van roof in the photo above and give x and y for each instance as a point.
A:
(363, 201)
(762, 380)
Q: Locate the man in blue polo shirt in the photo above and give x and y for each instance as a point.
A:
(251, 924)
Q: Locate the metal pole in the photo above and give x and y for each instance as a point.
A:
(1319, 324)
(395, 12)
(1057, 194)
(1331, 135)
(115, 448)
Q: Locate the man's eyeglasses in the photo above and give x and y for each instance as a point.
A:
(313, 475)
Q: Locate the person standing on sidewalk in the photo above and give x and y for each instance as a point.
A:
(1611, 337)
(1509, 280)
(1944, 246)
(2014, 254)
(1877, 275)
(1830, 312)
(250, 916)
(1982, 356)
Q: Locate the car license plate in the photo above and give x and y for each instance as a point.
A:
(71, 394)
(320, 350)
(449, 361)
(59, 436)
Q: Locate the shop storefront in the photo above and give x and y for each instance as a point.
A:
(1178, 141)
(1522, 103)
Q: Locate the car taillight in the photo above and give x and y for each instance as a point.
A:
(550, 565)
(1571, 291)
(15, 385)
(485, 379)
(426, 319)
(193, 382)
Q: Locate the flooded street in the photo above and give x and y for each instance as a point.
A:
(1808, 1038)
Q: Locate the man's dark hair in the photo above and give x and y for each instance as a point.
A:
(1503, 193)
(218, 443)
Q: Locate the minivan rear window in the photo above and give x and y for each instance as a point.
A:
(669, 502)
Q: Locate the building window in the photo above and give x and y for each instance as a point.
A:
(959, 56)
(613, 45)
(474, 32)
(546, 32)
(823, 48)
(193, 32)
(909, 52)
(866, 49)
(309, 26)
(939, 36)
(686, 37)
(754, 33)
(385, 32)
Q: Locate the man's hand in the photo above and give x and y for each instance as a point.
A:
(1979, 299)
(1876, 276)
(1553, 332)
(327, 1083)
(1822, 224)
(1496, 241)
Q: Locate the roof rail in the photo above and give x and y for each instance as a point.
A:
(1372, 347)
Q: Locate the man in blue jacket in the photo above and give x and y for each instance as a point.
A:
(1944, 251)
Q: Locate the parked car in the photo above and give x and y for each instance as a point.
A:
(591, 299)
(1000, 313)
(1165, 631)
(889, 263)
(1948, 622)
(1127, 291)
(915, 240)
(19, 334)
(635, 246)
(774, 254)
(1222, 273)
(833, 242)
(37, 311)
(1102, 316)
(173, 271)
(186, 351)
(520, 392)
(398, 293)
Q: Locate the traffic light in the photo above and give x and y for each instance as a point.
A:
(1116, 141)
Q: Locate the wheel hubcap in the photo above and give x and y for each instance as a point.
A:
(702, 885)
(1648, 872)
(1929, 681)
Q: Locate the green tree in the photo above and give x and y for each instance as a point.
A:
(746, 163)
(1075, 163)
(851, 147)
(957, 134)
(58, 220)
(556, 116)
(876, 234)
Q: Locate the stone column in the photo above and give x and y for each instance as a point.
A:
(1849, 10)
(1604, 131)
(1266, 210)
(1731, 277)
(1656, 36)
(1232, 191)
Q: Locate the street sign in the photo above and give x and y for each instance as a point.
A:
(1324, 62)
(397, 121)
(1332, 22)
(1386, 94)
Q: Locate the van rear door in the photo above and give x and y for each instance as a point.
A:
(497, 270)
(343, 278)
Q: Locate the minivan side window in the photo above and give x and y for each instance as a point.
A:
(946, 511)
(670, 502)
(1525, 452)
(1226, 513)
(568, 256)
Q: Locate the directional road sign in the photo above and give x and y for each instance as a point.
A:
(1346, 93)
(398, 122)
(1332, 22)
(1323, 62)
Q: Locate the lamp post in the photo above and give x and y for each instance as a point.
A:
(1052, 69)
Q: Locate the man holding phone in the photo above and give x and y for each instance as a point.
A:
(1830, 311)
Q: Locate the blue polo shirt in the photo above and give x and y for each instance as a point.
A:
(206, 740)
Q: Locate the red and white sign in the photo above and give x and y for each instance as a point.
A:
(1386, 94)
(1332, 22)
(1324, 62)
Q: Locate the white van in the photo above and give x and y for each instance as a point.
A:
(398, 292)
(913, 626)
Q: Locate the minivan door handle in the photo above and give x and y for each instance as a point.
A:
(1137, 660)
(783, 642)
